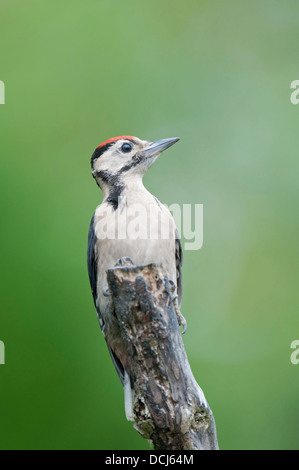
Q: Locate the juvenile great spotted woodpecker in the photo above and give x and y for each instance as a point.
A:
(118, 166)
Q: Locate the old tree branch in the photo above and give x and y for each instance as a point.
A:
(169, 406)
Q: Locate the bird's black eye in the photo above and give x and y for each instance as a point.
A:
(126, 147)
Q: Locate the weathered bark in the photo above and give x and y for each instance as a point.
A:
(169, 406)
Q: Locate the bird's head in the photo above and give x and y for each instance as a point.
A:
(125, 158)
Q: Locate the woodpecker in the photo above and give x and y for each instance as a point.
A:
(118, 166)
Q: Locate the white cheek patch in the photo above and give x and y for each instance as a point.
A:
(111, 161)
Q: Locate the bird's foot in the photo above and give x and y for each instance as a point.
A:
(106, 292)
(181, 320)
(172, 286)
(125, 261)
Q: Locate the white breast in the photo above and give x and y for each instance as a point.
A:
(141, 228)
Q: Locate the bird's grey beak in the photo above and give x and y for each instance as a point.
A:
(158, 146)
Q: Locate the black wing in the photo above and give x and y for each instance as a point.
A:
(92, 262)
(92, 267)
(179, 264)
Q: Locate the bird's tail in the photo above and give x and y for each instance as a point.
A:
(129, 397)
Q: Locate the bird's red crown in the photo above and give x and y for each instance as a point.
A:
(114, 139)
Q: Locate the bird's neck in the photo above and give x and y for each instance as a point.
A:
(129, 189)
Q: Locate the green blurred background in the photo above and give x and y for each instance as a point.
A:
(215, 73)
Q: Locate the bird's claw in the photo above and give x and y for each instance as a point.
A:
(181, 320)
(172, 286)
(124, 261)
(106, 292)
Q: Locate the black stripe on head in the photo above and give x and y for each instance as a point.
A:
(134, 162)
(99, 151)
